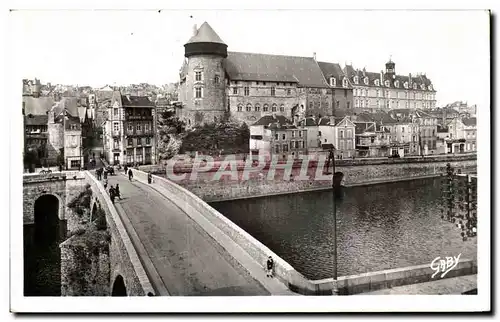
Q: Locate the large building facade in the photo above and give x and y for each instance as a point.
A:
(215, 84)
(130, 130)
(388, 90)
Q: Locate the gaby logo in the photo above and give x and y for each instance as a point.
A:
(444, 265)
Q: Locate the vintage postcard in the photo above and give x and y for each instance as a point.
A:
(250, 160)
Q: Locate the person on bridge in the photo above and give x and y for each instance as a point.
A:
(130, 174)
(270, 266)
(150, 177)
(112, 194)
(117, 192)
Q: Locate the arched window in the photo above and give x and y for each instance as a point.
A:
(257, 107)
(282, 108)
(387, 83)
(249, 107)
(240, 107)
(366, 80)
(414, 85)
(430, 87)
(344, 82)
(396, 83)
(266, 108)
(356, 79)
(274, 107)
(377, 82)
(333, 81)
(406, 84)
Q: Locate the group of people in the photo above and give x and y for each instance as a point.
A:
(114, 192)
(101, 174)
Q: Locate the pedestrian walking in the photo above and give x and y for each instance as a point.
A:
(150, 177)
(105, 174)
(270, 266)
(130, 174)
(112, 195)
(105, 183)
(117, 191)
(126, 169)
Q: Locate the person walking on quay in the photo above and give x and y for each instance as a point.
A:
(117, 191)
(130, 174)
(270, 266)
(150, 177)
(105, 183)
(126, 169)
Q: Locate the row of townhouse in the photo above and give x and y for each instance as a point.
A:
(401, 132)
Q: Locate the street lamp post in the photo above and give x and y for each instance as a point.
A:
(335, 289)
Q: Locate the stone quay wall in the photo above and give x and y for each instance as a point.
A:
(212, 187)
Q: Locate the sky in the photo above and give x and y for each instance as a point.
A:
(122, 47)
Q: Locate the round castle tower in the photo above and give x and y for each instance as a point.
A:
(205, 82)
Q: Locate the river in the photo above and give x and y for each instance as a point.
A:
(378, 227)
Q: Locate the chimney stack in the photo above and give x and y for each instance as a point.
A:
(195, 30)
(314, 55)
(381, 77)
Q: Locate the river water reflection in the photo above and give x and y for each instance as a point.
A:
(379, 227)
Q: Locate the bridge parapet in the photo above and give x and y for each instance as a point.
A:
(124, 260)
(189, 203)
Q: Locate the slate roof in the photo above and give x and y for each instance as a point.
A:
(36, 119)
(37, 105)
(266, 120)
(205, 34)
(419, 80)
(136, 101)
(276, 68)
(309, 121)
(333, 70)
(469, 121)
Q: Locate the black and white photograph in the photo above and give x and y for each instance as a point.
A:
(249, 160)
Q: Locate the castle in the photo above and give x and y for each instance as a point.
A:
(216, 84)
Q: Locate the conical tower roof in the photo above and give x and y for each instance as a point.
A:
(205, 34)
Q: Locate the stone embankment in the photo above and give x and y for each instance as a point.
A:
(219, 182)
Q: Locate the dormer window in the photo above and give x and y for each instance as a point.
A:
(423, 87)
(366, 80)
(344, 82)
(396, 84)
(405, 84)
(414, 86)
(377, 82)
(430, 87)
(356, 79)
(387, 83)
(333, 81)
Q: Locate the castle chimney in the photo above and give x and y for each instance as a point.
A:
(381, 77)
(314, 55)
(195, 30)
(409, 80)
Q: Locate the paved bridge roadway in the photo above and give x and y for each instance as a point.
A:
(178, 255)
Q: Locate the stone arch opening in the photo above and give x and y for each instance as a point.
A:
(93, 215)
(47, 222)
(119, 288)
(42, 257)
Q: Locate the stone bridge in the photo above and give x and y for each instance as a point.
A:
(160, 239)
(144, 244)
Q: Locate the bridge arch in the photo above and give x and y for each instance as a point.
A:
(119, 288)
(61, 202)
(47, 218)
